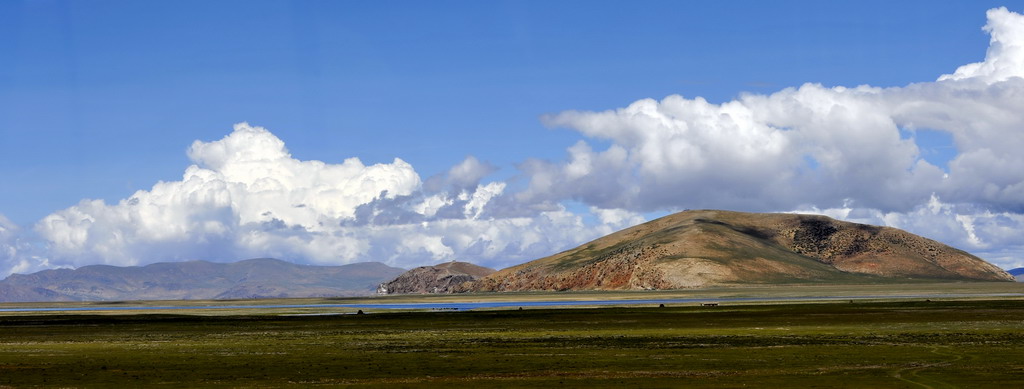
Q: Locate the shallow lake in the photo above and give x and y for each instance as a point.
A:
(465, 306)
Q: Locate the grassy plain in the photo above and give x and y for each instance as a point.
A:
(955, 342)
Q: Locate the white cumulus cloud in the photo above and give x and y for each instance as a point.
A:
(247, 196)
(1005, 56)
(245, 193)
(831, 148)
(17, 254)
(8, 234)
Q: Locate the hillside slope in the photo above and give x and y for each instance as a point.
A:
(705, 248)
(253, 278)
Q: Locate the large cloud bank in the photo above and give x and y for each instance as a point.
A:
(849, 152)
(246, 196)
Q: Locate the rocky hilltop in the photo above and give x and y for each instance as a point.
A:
(253, 278)
(707, 248)
(443, 278)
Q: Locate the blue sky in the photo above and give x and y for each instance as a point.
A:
(112, 92)
(99, 100)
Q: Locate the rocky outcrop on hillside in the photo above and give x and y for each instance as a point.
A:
(443, 278)
(707, 248)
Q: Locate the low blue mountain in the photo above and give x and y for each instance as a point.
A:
(197, 280)
(1017, 273)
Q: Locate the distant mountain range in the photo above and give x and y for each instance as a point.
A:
(710, 248)
(685, 250)
(253, 278)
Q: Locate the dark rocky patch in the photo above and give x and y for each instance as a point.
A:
(443, 278)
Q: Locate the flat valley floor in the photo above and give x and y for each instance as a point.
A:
(900, 343)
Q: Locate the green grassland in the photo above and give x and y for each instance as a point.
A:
(912, 343)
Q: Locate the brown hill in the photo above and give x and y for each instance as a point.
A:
(253, 278)
(705, 248)
(443, 278)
